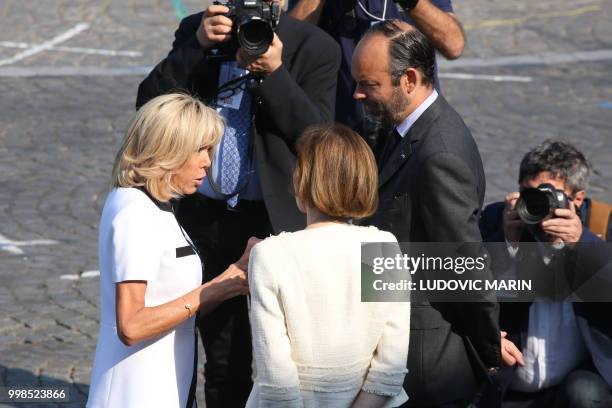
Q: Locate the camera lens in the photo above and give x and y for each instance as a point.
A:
(255, 36)
(532, 206)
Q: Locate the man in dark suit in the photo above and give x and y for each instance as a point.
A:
(565, 345)
(431, 188)
(248, 190)
(347, 20)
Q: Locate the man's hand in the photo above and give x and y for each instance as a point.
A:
(243, 262)
(264, 64)
(215, 27)
(566, 226)
(513, 226)
(511, 355)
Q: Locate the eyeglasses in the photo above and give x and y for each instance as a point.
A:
(230, 92)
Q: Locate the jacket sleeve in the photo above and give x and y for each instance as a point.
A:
(179, 70)
(388, 367)
(296, 101)
(276, 376)
(450, 208)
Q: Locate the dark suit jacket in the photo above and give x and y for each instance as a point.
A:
(591, 255)
(431, 189)
(298, 94)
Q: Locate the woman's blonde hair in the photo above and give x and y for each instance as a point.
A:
(336, 172)
(163, 135)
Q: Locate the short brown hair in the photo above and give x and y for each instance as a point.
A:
(336, 172)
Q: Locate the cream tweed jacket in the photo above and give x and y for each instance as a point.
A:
(315, 344)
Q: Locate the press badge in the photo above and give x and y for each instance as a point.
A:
(231, 98)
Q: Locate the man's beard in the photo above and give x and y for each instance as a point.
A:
(387, 114)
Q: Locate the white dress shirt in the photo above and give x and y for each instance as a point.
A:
(554, 345)
(407, 123)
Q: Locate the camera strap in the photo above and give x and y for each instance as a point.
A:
(236, 85)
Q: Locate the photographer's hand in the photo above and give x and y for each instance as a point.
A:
(264, 64)
(215, 27)
(513, 226)
(511, 355)
(566, 226)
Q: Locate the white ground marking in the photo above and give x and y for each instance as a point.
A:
(542, 58)
(553, 58)
(83, 275)
(67, 71)
(38, 48)
(90, 274)
(13, 247)
(77, 50)
(494, 78)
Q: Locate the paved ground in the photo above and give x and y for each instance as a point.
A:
(59, 134)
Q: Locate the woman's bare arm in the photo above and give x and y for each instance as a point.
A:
(136, 323)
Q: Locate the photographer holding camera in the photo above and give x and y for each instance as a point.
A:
(565, 345)
(270, 76)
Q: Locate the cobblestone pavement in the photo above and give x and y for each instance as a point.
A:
(59, 135)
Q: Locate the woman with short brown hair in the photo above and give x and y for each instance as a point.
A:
(315, 344)
(335, 173)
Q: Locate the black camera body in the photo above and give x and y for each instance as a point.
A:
(535, 204)
(254, 22)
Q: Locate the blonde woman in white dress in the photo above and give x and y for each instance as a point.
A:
(315, 344)
(150, 272)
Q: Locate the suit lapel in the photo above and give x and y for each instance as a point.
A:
(396, 159)
(407, 145)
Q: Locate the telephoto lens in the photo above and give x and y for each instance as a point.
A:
(535, 204)
(254, 24)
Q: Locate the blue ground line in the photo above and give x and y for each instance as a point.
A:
(605, 104)
(179, 9)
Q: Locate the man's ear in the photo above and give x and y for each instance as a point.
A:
(579, 198)
(410, 80)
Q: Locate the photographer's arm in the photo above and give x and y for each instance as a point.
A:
(308, 10)
(441, 27)
(186, 63)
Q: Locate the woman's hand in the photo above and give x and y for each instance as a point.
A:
(232, 282)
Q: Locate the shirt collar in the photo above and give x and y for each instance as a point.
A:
(405, 126)
(162, 205)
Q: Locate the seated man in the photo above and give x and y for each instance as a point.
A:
(566, 347)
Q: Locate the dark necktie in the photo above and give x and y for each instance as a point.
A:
(393, 141)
